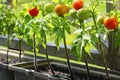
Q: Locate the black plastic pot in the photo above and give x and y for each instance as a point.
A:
(25, 71)
(21, 73)
(5, 73)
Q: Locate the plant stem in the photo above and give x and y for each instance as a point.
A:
(66, 52)
(46, 50)
(20, 44)
(83, 50)
(104, 59)
(8, 44)
(86, 63)
(52, 70)
(101, 48)
(35, 57)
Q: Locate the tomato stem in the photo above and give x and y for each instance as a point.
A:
(86, 63)
(8, 45)
(46, 50)
(35, 57)
(20, 45)
(83, 49)
(66, 52)
(50, 66)
(104, 59)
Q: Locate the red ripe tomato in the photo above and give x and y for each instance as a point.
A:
(61, 9)
(110, 22)
(34, 11)
(77, 4)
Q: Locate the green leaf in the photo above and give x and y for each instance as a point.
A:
(87, 49)
(66, 26)
(60, 33)
(78, 31)
(27, 30)
(79, 52)
(57, 41)
(94, 39)
(86, 37)
(73, 50)
(27, 18)
(21, 29)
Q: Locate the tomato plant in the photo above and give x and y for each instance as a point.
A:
(61, 9)
(7, 23)
(110, 22)
(34, 11)
(77, 4)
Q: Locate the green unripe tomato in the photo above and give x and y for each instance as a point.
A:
(73, 13)
(49, 7)
(100, 19)
(83, 13)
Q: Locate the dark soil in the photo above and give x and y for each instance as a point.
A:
(63, 74)
(4, 61)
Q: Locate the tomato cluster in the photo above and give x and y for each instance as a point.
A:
(110, 22)
(79, 10)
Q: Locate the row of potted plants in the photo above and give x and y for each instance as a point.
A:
(33, 25)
